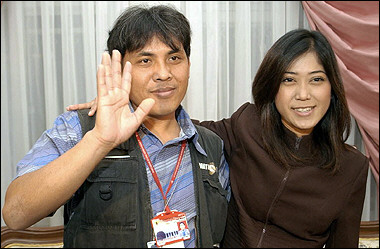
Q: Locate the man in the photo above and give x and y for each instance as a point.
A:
(140, 161)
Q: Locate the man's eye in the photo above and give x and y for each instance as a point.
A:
(173, 58)
(145, 61)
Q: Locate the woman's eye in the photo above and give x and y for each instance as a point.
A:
(318, 79)
(287, 80)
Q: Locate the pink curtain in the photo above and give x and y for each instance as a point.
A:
(352, 27)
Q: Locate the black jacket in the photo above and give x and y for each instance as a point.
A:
(303, 207)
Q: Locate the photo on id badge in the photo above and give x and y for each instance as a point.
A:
(170, 229)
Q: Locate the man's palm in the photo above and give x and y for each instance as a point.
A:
(115, 122)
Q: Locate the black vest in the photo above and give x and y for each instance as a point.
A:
(112, 207)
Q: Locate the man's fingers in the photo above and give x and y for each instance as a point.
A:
(100, 81)
(127, 77)
(106, 62)
(116, 68)
(143, 109)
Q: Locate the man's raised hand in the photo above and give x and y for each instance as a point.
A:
(115, 123)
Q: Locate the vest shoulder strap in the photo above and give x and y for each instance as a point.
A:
(87, 122)
(210, 142)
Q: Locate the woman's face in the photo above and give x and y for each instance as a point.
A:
(304, 94)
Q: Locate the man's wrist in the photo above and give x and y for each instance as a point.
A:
(100, 145)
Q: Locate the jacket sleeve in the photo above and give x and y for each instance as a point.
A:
(345, 230)
(225, 129)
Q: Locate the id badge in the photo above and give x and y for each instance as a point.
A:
(170, 228)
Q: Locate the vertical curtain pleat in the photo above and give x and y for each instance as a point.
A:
(193, 101)
(89, 48)
(223, 74)
(69, 80)
(241, 58)
(212, 48)
(17, 82)
(49, 60)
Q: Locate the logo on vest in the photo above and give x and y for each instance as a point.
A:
(210, 167)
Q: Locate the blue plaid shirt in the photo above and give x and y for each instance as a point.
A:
(66, 133)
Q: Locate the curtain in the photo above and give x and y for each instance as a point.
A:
(50, 51)
(352, 27)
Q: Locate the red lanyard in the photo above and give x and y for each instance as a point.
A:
(153, 171)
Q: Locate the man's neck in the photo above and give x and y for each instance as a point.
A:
(165, 129)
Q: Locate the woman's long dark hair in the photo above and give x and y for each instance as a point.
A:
(330, 134)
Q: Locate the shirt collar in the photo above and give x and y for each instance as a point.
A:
(188, 130)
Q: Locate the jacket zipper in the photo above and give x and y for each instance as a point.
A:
(297, 145)
(271, 206)
(298, 141)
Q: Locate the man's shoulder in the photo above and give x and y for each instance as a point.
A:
(67, 127)
(87, 122)
(203, 131)
(206, 134)
(83, 113)
(66, 121)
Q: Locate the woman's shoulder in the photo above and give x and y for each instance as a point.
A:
(353, 153)
(355, 159)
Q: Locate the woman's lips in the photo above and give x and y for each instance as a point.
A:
(303, 111)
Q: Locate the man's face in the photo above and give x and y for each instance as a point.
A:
(160, 73)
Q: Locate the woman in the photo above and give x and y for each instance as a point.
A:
(295, 183)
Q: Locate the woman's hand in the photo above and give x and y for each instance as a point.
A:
(92, 105)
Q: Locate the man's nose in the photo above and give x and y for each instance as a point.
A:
(162, 72)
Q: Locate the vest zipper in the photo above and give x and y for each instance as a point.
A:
(271, 206)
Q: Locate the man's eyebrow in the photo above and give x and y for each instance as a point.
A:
(145, 53)
(173, 51)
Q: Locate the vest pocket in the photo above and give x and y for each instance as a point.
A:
(110, 195)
